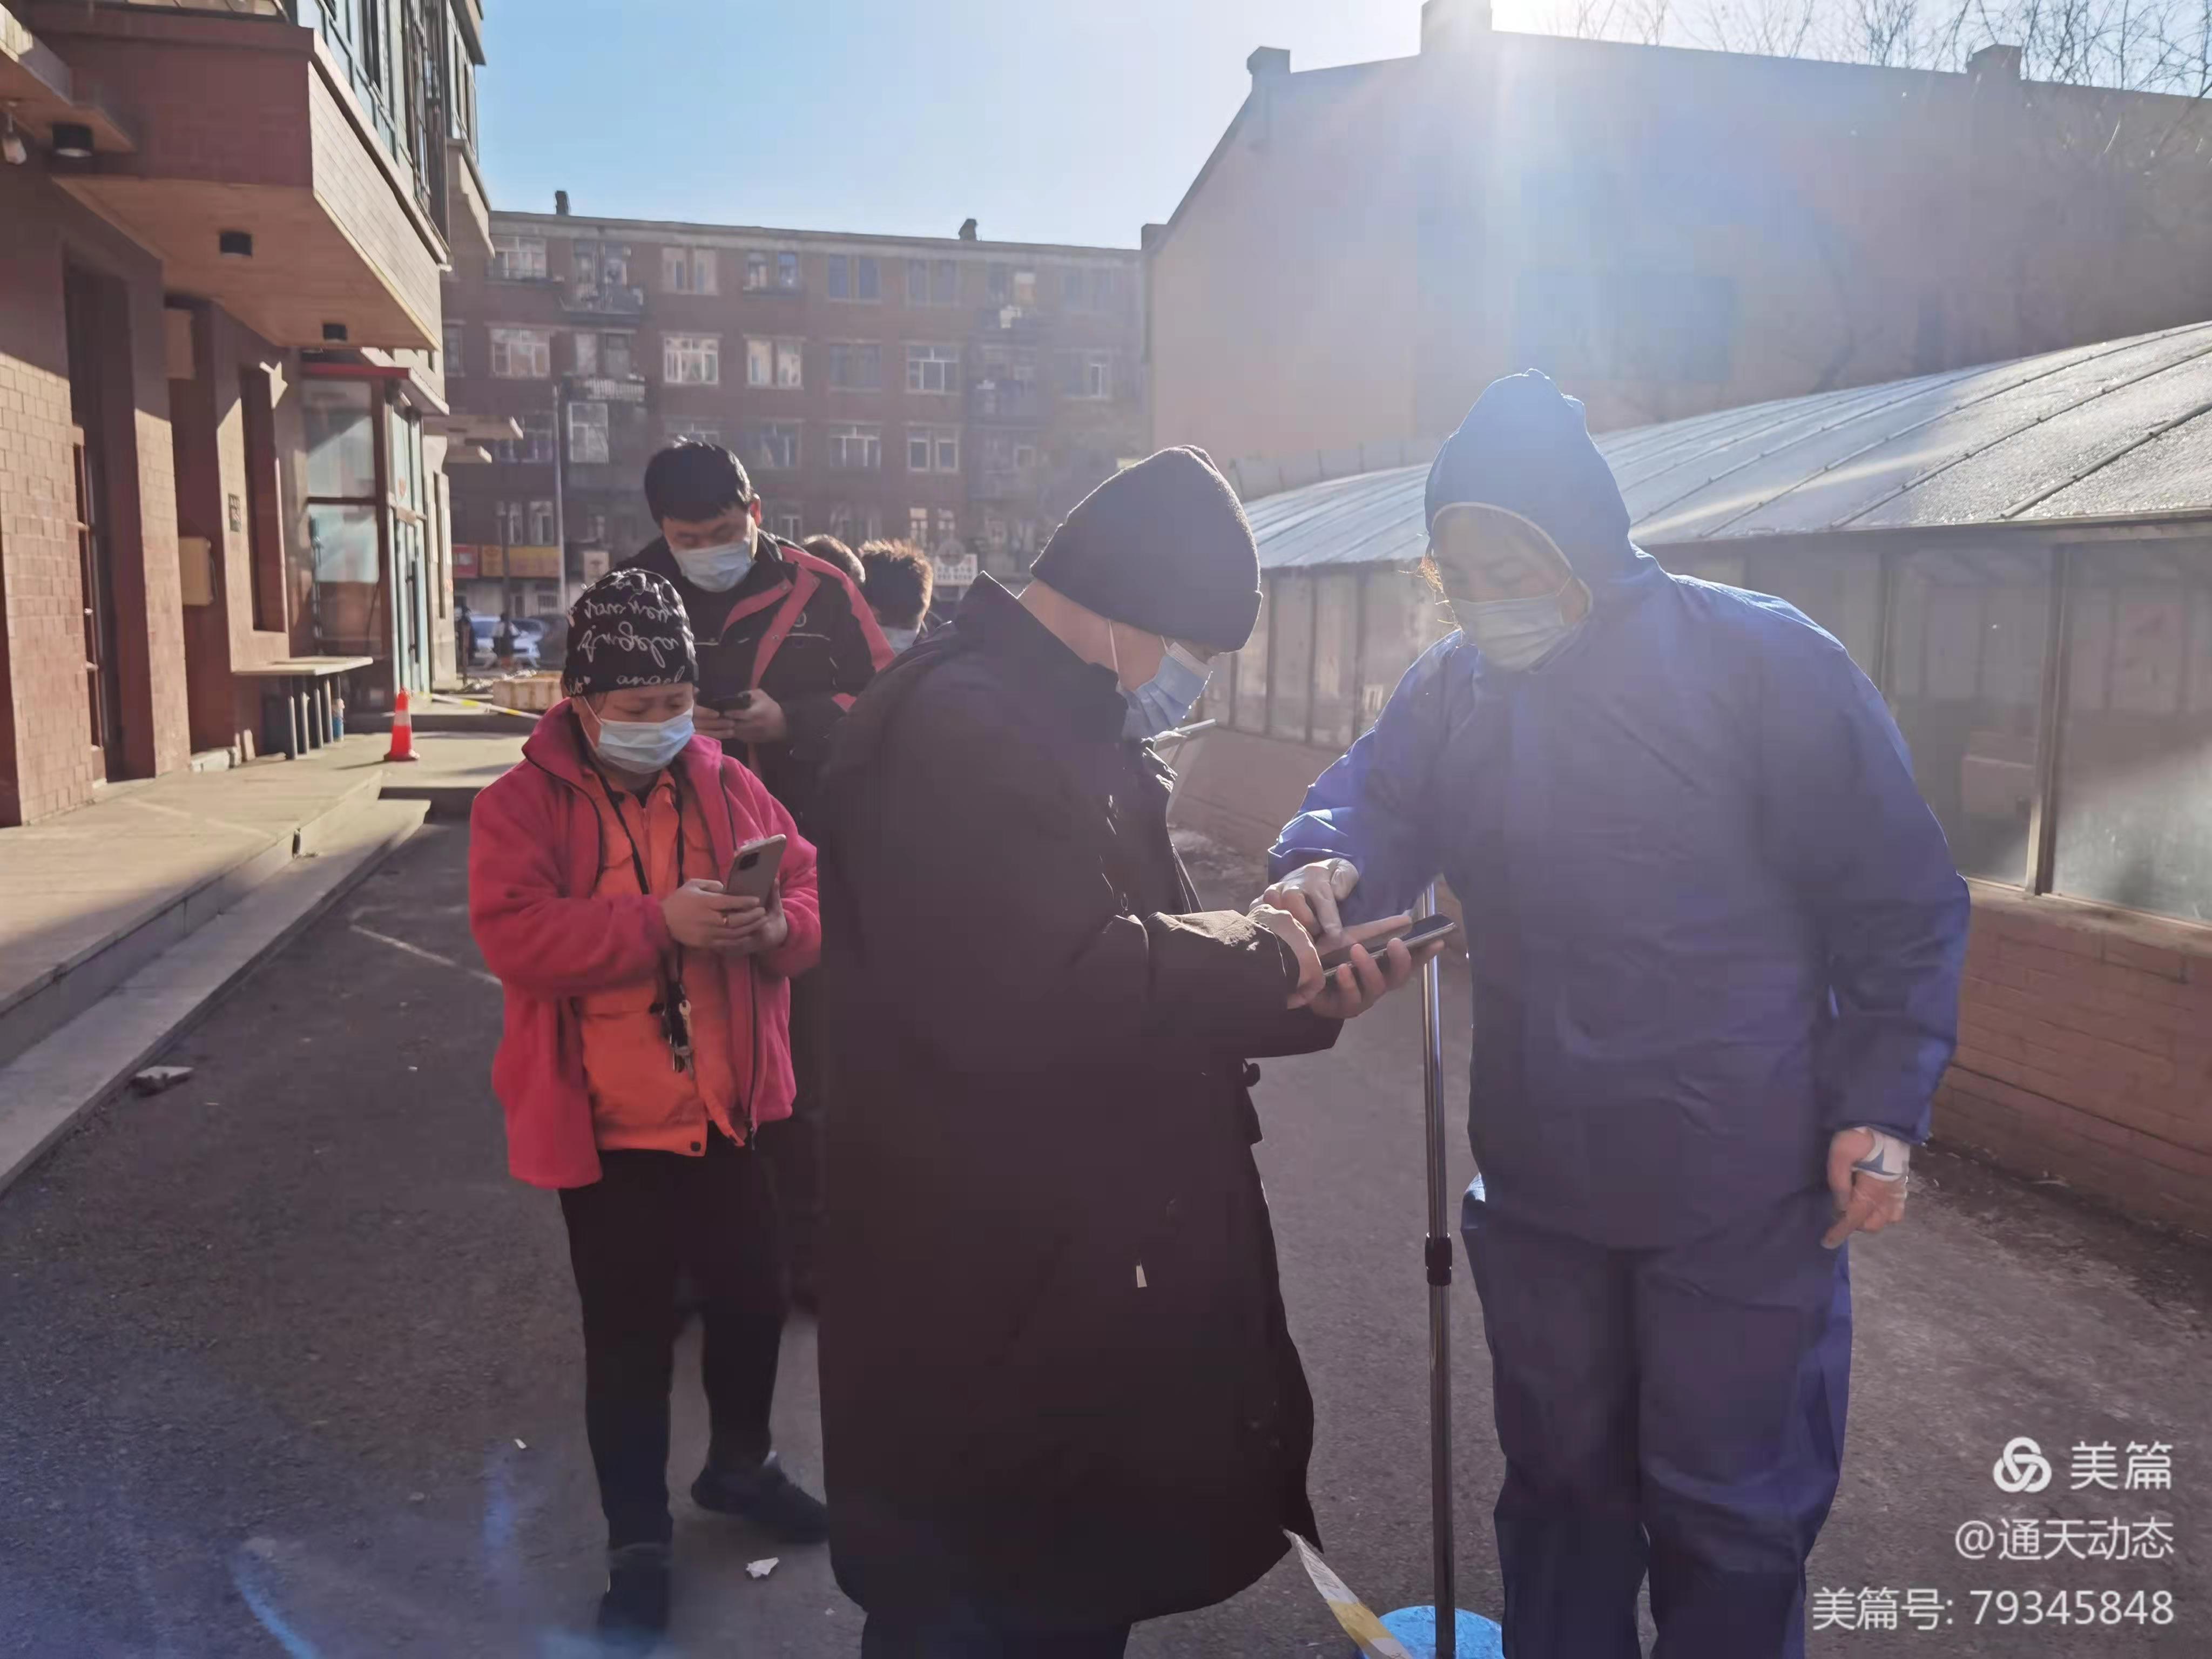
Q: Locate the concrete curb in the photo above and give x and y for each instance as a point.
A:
(49, 1086)
(35, 1011)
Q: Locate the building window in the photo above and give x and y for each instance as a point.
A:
(857, 367)
(775, 448)
(540, 525)
(518, 258)
(1073, 291)
(691, 359)
(679, 429)
(917, 525)
(2132, 828)
(521, 353)
(535, 443)
(932, 368)
(933, 449)
(948, 527)
(854, 276)
(775, 363)
(688, 270)
(786, 521)
(1104, 289)
(456, 335)
(998, 283)
(757, 277)
(587, 433)
(932, 282)
(1089, 375)
(786, 271)
(1965, 672)
(586, 350)
(856, 448)
(615, 359)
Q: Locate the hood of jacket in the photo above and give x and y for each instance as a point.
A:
(1526, 446)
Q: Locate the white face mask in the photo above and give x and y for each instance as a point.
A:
(899, 638)
(1517, 634)
(716, 569)
(642, 745)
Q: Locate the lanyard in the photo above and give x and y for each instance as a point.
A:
(674, 1007)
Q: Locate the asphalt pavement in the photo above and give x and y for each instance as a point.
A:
(289, 1366)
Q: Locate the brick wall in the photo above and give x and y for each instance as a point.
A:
(2085, 1053)
(54, 763)
(364, 202)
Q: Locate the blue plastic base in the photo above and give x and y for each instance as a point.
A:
(1416, 1627)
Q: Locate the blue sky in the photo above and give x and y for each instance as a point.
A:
(1052, 120)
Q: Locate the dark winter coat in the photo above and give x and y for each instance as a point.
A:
(1057, 1388)
(795, 628)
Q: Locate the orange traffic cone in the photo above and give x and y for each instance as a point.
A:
(403, 732)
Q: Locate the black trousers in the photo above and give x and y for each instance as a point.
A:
(792, 1145)
(648, 1215)
(890, 1639)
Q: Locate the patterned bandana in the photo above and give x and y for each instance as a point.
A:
(627, 628)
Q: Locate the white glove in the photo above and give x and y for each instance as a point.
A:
(1312, 893)
(1869, 1170)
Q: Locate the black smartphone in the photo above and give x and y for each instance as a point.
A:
(730, 705)
(1424, 931)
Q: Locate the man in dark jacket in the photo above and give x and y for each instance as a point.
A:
(786, 643)
(1057, 1392)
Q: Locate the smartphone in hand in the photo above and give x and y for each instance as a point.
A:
(1378, 936)
(753, 868)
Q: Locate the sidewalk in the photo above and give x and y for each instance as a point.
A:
(122, 922)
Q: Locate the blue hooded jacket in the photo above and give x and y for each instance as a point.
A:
(1709, 919)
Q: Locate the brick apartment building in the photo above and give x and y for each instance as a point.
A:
(1671, 231)
(960, 392)
(222, 422)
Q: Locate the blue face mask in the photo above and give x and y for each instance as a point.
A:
(643, 745)
(1518, 634)
(1164, 701)
(715, 569)
(900, 638)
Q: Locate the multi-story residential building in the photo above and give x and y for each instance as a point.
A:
(223, 418)
(961, 392)
(1666, 231)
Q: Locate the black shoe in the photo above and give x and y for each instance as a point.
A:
(765, 1497)
(634, 1613)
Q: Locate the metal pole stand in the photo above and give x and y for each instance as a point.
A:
(1420, 1630)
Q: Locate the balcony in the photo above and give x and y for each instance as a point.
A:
(610, 300)
(259, 177)
(606, 388)
(1014, 402)
(1006, 483)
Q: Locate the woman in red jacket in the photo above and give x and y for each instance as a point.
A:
(647, 1040)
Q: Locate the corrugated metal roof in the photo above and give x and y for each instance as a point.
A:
(2103, 431)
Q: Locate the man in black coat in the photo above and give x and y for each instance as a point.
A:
(1057, 1392)
(786, 643)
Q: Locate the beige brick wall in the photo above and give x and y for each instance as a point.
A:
(2085, 1053)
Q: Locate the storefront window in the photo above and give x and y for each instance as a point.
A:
(348, 617)
(1336, 661)
(1968, 631)
(2134, 809)
(1405, 617)
(1290, 671)
(341, 438)
(1252, 674)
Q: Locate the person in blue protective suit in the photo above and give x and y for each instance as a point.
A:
(1716, 938)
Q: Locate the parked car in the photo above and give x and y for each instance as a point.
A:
(486, 632)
